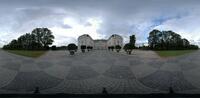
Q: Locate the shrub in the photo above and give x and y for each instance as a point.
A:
(83, 47)
(72, 48)
(128, 48)
(193, 47)
(61, 48)
(144, 47)
(53, 47)
(46, 47)
(109, 48)
(112, 48)
(88, 48)
(71, 52)
(76, 49)
(118, 48)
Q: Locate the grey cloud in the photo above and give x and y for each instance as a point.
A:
(63, 40)
(66, 26)
(87, 24)
(124, 17)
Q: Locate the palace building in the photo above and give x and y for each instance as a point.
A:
(100, 44)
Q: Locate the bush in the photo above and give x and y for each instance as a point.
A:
(83, 47)
(71, 52)
(109, 48)
(61, 48)
(118, 48)
(144, 47)
(88, 48)
(72, 48)
(46, 48)
(76, 49)
(128, 48)
(54, 48)
(112, 48)
(193, 47)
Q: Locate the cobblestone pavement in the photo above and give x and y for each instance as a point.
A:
(87, 73)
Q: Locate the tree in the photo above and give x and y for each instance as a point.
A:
(83, 47)
(43, 36)
(72, 48)
(186, 43)
(132, 40)
(152, 39)
(62, 48)
(27, 42)
(112, 48)
(54, 47)
(40, 38)
(128, 48)
(109, 48)
(118, 48)
(14, 44)
(88, 48)
(166, 40)
(6, 47)
(195, 47)
(91, 47)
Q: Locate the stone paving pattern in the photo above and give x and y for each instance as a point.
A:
(87, 73)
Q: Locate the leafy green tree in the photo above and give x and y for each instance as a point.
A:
(112, 48)
(118, 48)
(166, 40)
(89, 48)
(186, 43)
(83, 47)
(43, 36)
(109, 48)
(132, 40)
(54, 47)
(40, 38)
(72, 48)
(193, 47)
(62, 48)
(153, 38)
(14, 44)
(27, 42)
(128, 48)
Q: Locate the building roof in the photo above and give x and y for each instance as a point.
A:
(114, 36)
(85, 35)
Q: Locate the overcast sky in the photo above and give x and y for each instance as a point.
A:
(68, 19)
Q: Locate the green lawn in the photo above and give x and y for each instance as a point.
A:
(172, 53)
(27, 53)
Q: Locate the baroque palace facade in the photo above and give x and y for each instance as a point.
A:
(100, 43)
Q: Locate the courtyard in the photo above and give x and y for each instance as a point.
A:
(143, 72)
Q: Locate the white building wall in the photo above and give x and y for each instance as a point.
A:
(88, 41)
(115, 40)
(85, 40)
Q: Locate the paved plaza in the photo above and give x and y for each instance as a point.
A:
(87, 73)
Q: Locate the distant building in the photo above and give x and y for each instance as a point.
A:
(100, 43)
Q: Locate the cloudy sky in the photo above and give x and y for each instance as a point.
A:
(68, 19)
